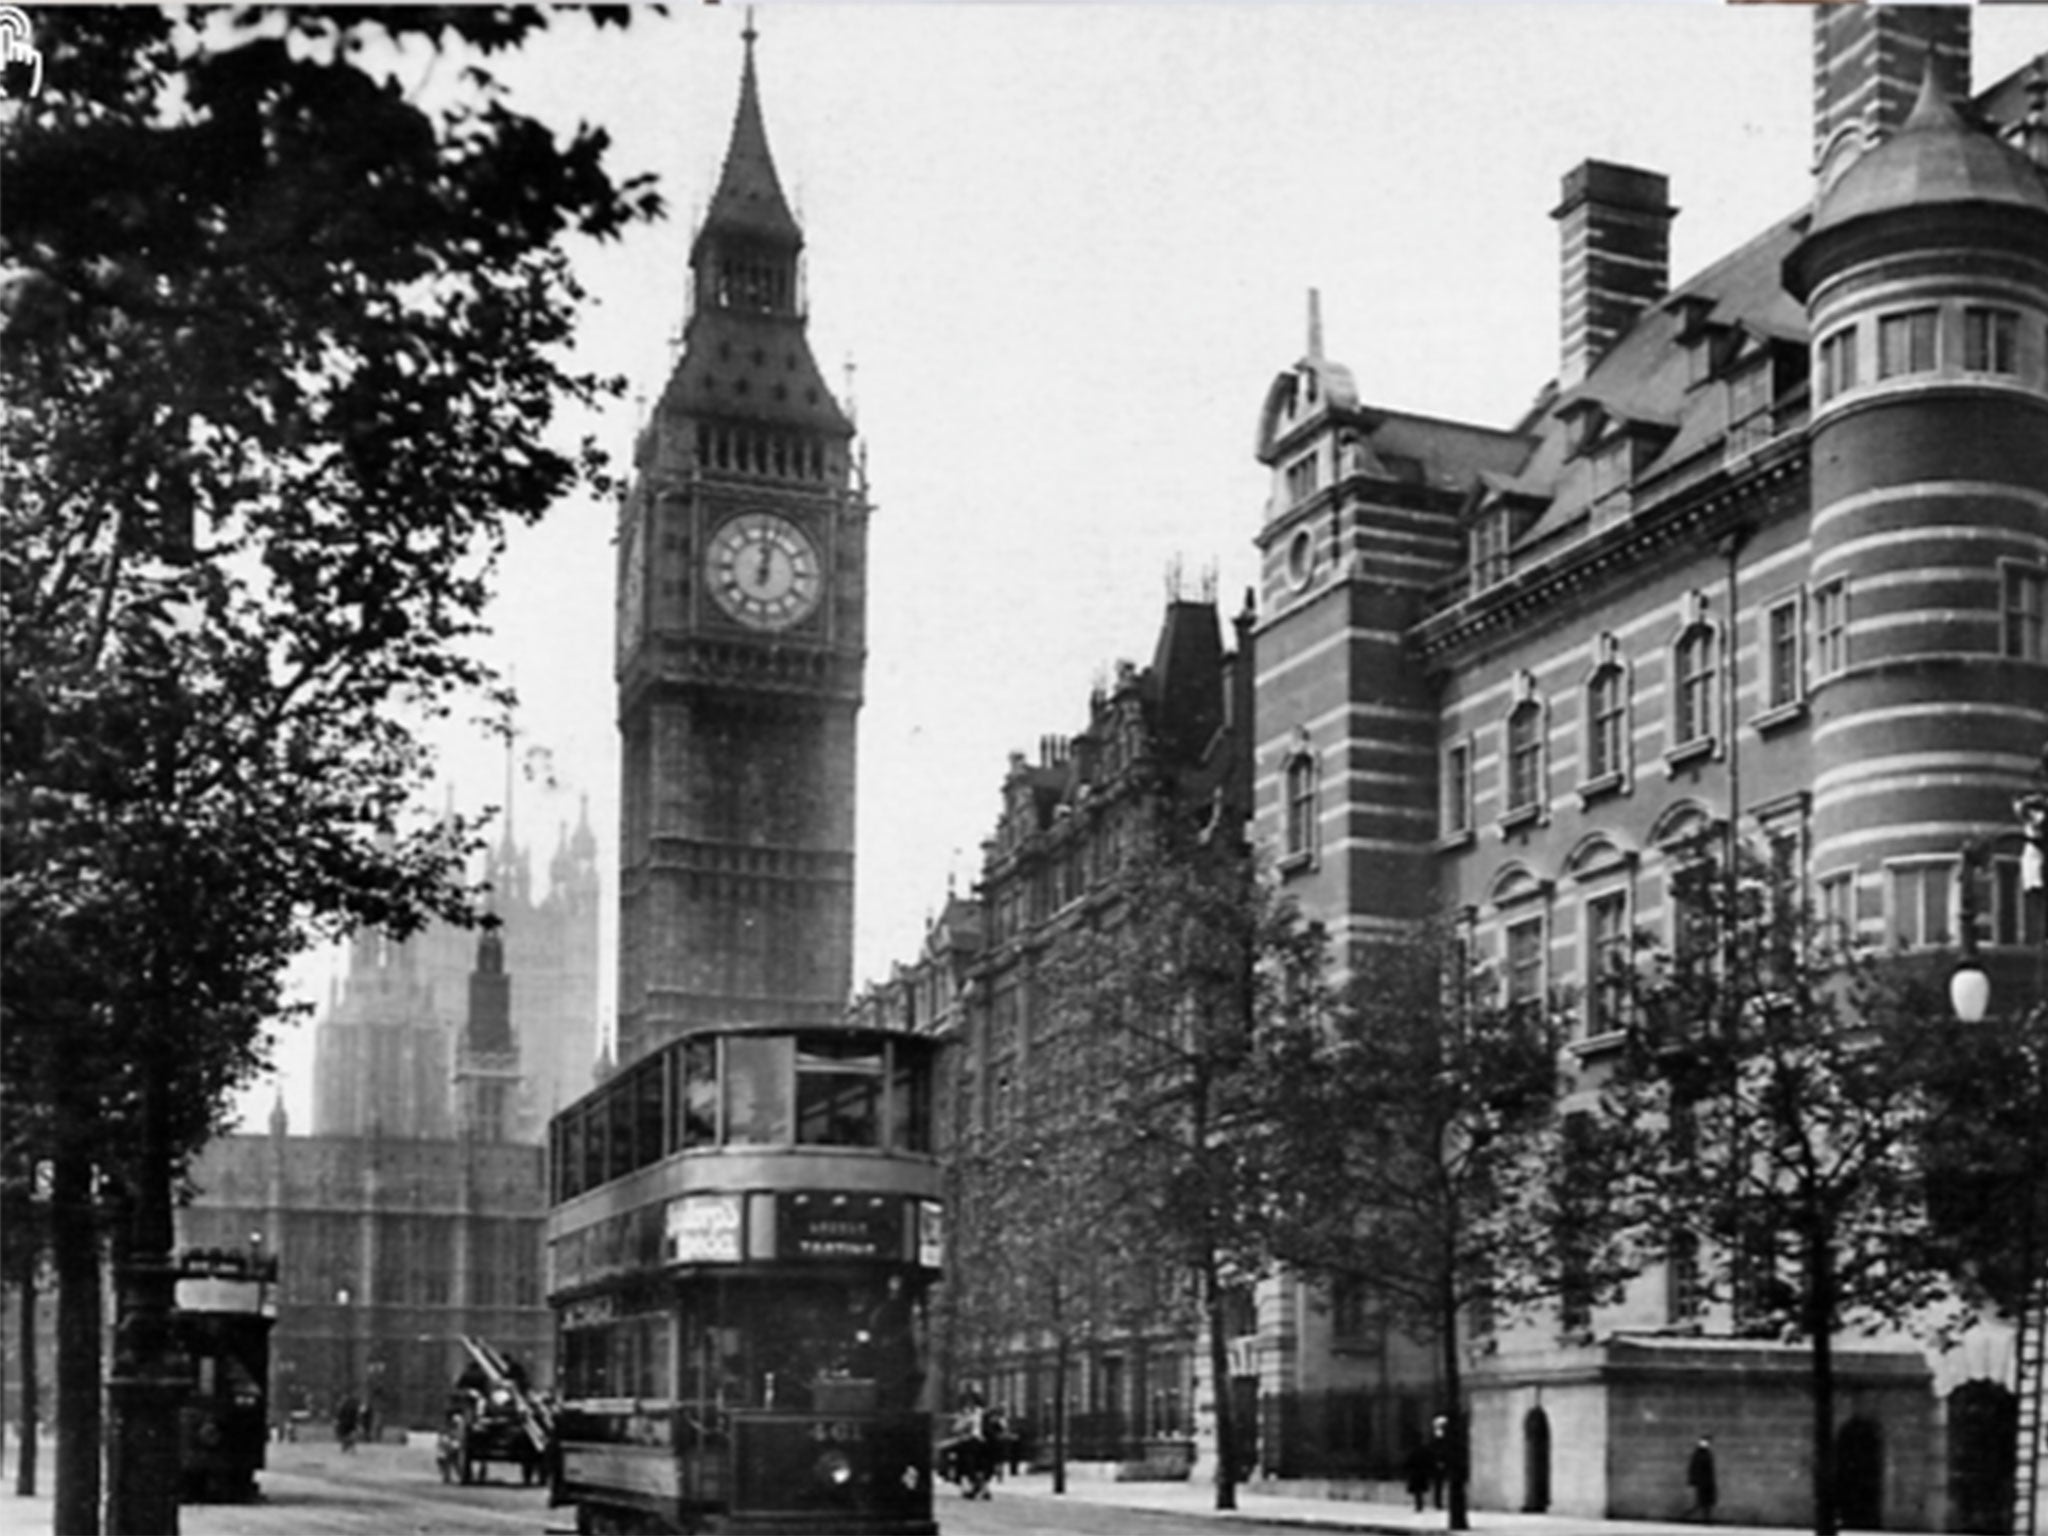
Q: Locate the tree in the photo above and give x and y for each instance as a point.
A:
(283, 350)
(1035, 1234)
(1430, 1161)
(1173, 988)
(1785, 1072)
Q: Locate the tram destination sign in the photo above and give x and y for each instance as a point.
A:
(839, 1225)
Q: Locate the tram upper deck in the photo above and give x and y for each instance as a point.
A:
(756, 1145)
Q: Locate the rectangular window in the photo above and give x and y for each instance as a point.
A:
(1782, 680)
(1457, 809)
(1991, 340)
(2025, 605)
(1606, 715)
(1830, 629)
(1607, 962)
(1301, 479)
(1491, 535)
(1837, 908)
(1921, 902)
(1838, 363)
(1694, 696)
(1301, 806)
(1905, 343)
(1749, 409)
(1525, 961)
(1525, 757)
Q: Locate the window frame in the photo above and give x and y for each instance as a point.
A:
(1607, 726)
(1916, 332)
(1601, 1014)
(1300, 808)
(1828, 618)
(1991, 340)
(2022, 611)
(1695, 694)
(1522, 762)
(1455, 818)
(1836, 362)
(1928, 875)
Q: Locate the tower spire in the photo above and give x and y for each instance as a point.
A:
(1315, 325)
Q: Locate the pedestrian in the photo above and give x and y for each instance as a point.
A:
(1441, 1455)
(345, 1423)
(1700, 1478)
(1421, 1473)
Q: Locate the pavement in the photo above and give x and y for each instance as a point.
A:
(1196, 1500)
(1193, 1501)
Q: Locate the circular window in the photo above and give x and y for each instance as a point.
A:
(1301, 557)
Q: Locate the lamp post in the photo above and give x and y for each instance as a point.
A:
(342, 1297)
(1970, 996)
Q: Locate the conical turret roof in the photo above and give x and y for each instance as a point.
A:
(1934, 158)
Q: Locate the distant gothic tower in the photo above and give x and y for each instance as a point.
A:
(741, 634)
(488, 1089)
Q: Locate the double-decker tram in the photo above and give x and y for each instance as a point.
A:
(744, 1227)
(226, 1305)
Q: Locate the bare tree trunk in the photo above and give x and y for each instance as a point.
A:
(75, 1255)
(1820, 1280)
(31, 1385)
(1219, 1368)
(1457, 1454)
(1059, 1411)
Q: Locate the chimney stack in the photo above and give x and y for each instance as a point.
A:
(1615, 223)
(1867, 65)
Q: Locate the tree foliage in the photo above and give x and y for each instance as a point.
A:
(1429, 1160)
(1173, 989)
(285, 352)
(1785, 1071)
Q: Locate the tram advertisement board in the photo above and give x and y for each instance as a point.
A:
(839, 1225)
(705, 1229)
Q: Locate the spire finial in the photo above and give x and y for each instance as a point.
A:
(749, 34)
(1315, 325)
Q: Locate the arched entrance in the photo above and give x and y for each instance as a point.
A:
(1535, 1462)
(1983, 1426)
(1859, 1476)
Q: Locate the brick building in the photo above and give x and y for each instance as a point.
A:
(1771, 552)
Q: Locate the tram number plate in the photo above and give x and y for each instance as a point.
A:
(838, 1432)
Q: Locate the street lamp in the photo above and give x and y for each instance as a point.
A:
(342, 1297)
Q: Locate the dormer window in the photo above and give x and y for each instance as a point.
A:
(1492, 533)
(1749, 408)
(1613, 470)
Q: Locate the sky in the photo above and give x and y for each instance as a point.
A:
(1056, 253)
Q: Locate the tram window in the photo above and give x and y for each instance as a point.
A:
(648, 1143)
(595, 1129)
(910, 1100)
(838, 1092)
(697, 1114)
(618, 1151)
(757, 1074)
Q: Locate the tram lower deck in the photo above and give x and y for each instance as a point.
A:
(741, 1302)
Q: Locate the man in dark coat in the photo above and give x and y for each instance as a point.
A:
(1699, 1477)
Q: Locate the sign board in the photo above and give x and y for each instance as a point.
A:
(839, 1225)
(704, 1229)
(931, 1234)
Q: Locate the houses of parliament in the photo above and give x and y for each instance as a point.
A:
(411, 1214)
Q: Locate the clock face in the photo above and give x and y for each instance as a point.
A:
(764, 570)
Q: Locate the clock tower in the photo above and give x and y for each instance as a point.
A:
(741, 631)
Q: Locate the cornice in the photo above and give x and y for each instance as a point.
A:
(1703, 512)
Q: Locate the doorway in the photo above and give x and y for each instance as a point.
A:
(1535, 1462)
